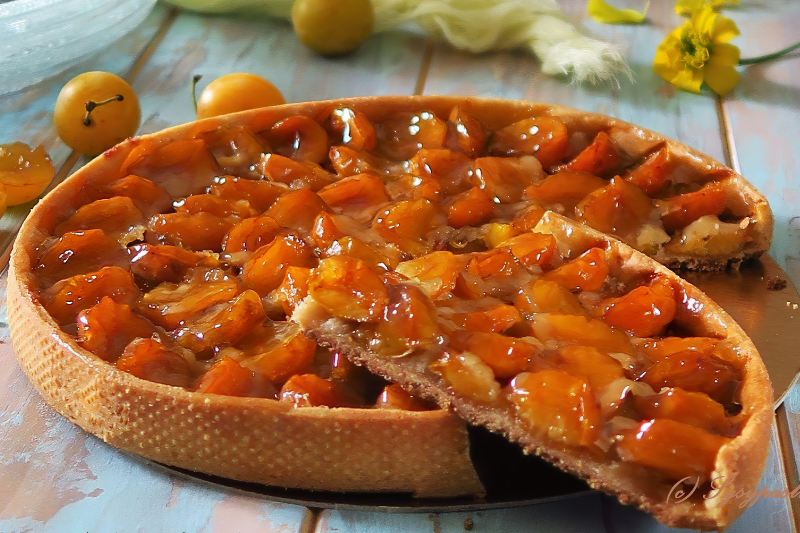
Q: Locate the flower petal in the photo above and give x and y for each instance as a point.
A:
(704, 19)
(724, 55)
(721, 78)
(724, 30)
(602, 11)
(687, 7)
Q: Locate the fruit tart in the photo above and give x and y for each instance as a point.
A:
(152, 294)
(577, 347)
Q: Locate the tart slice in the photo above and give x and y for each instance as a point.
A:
(575, 346)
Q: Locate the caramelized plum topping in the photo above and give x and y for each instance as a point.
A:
(658, 349)
(506, 356)
(352, 128)
(542, 137)
(297, 209)
(148, 197)
(78, 253)
(349, 161)
(70, 296)
(324, 231)
(222, 324)
(694, 372)
(405, 224)
(394, 397)
(161, 263)
(494, 320)
(108, 327)
(451, 169)
(403, 134)
(532, 249)
(709, 236)
(619, 208)
(207, 203)
(251, 234)
(465, 133)
(278, 353)
(265, 270)
(574, 329)
(653, 175)
(526, 219)
(295, 174)
(259, 194)
(294, 288)
(680, 211)
(348, 289)
(226, 377)
(542, 296)
(566, 189)
(469, 208)
(585, 273)
(467, 375)
(149, 359)
(644, 311)
(299, 138)
(194, 231)
(118, 217)
(358, 249)
(182, 168)
(170, 304)
(435, 272)
(598, 158)
(673, 449)
(409, 321)
(411, 187)
(557, 406)
(308, 390)
(596, 367)
(359, 196)
(693, 408)
(495, 233)
(236, 150)
(506, 177)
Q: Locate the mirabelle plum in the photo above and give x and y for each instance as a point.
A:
(403, 134)
(207, 203)
(70, 296)
(564, 188)
(348, 161)
(672, 448)
(297, 175)
(278, 357)
(251, 234)
(180, 167)
(598, 158)
(108, 327)
(222, 324)
(309, 390)
(226, 377)
(653, 175)
(693, 408)
(587, 272)
(361, 194)
(236, 92)
(619, 208)
(451, 169)
(409, 321)
(161, 263)
(405, 224)
(493, 320)
(596, 367)
(347, 288)
(506, 177)
(694, 372)
(324, 231)
(25, 172)
(436, 272)
(300, 138)
(294, 288)
(149, 359)
(542, 296)
(259, 194)
(506, 356)
(531, 249)
(658, 349)
(356, 248)
(297, 209)
(148, 197)
(267, 267)
(574, 329)
(557, 405)
(469, 208)
(526, 219)
(236, 149)
(412, 187)
(644, 311)
(193, 231)
(680, 211)
(352, 128)
(170, 304)
(118, 217)
(542, 137)
(79, 253)
(394, 397)
(465, 133)
(467, 375)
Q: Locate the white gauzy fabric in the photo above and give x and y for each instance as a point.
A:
(477, 26)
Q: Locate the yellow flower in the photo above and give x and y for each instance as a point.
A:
(698, 51)
(602, 11)
(687, 7)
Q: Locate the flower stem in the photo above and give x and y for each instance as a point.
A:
(768, 57)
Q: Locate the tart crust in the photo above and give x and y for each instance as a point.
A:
(738, 465)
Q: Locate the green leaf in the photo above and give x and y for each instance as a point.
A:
(602, 11)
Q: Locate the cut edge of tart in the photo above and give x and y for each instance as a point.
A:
(737, 465)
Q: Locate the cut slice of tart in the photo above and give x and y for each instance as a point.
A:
(151, 293)
(575, 346)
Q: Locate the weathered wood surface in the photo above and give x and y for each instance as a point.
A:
(55, 477)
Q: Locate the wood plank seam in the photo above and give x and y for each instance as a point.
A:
(419, 88)
(310, 522)
(726, 134)
(148, 50)
(790, 470)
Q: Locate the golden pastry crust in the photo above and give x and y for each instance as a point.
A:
(738, 465)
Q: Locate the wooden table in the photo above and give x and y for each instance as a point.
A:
(54, 477)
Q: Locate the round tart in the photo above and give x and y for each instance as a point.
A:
(151, 294)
